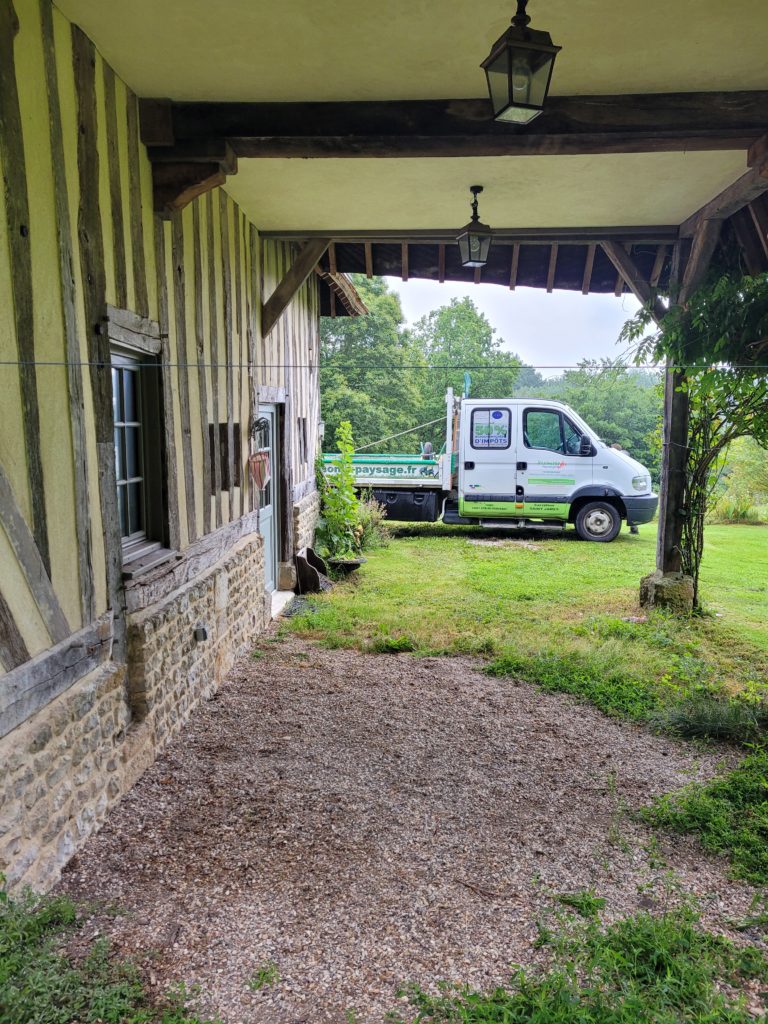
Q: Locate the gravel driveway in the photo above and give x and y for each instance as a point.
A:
(361, 821)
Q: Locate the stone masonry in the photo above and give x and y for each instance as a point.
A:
(305, 516)
(69, 763)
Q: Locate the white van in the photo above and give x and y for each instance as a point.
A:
(538, 460)
(513, 463)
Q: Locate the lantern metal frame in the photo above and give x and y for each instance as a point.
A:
(520, 39)
(474, 239)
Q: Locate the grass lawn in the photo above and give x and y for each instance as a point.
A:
(448, 590)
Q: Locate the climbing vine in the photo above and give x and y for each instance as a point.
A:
(720, 338)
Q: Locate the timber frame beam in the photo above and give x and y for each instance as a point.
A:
(455, 127)
(630, 272)
(307, 259)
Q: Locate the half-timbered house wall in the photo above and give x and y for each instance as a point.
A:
(101, 659)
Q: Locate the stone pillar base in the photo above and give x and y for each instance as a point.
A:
(673, 592)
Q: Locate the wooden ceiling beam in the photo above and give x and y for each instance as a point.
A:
(368, 260)
(738, 195)
(514, 266)
(552, 267)
(441, 262)
(404, 260)
(306, 260)
(654, 234)
(658, 266)
(746, 236)
(631, 273)
(589, 265)
(632, 123)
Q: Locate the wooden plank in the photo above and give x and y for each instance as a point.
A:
(166, 377)
(514, 265)
(140, 298)
(69, 319)
(404, 260)
(182, 369)
(152, 346)
(368, 259)
(732, 199)
(478, 275)
(441, 262)
(127, 320)
(95, 301)
(305, 262)
(552, 267)
(332, 258)
(228, 340)
(751, 249)
(332, 303)
(213, 330)
(658, 265)
(30, 562)
(625, 123)
(13, 650)
(629, 270)
(12, 154)
(758, 211)
(115, 188)
(588, 268)
(34, 684)
(202, 370)
(704, 243)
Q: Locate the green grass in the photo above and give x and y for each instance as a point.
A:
(40, 985)
(553, 611)
(264, 976)
(663, 969)
(729, 815)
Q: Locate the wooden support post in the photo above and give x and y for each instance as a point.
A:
(305, 262)
(674, 460)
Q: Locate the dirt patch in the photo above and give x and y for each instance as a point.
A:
(365, 820)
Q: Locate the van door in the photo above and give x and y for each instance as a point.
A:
(487, 461)
(553, 468)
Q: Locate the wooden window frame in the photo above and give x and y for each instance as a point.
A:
(135, 344)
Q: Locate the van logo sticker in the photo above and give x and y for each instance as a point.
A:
(474, 487)
(496, 414)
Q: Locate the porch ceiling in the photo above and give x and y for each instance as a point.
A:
(541, 191)
(418, 49)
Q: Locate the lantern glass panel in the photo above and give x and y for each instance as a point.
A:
(474, 248)
(518, 80)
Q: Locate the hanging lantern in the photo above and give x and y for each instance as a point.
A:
(519, 69)
(475, 239)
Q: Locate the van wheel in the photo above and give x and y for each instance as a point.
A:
(598, 520)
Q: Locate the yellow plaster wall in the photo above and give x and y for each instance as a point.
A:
(50, 340)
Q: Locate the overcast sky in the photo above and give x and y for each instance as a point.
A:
(545, 330)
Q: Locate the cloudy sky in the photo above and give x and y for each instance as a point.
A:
(547, 331)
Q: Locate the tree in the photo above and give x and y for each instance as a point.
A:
(367, 373)
(459, 338)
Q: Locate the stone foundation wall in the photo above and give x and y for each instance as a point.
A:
(71, 761)
(305, 516)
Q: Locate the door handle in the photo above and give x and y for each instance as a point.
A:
(522, 465)
(469, 465)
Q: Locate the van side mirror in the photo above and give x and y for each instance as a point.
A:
(585, 447)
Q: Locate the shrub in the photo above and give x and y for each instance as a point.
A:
(375, 531)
